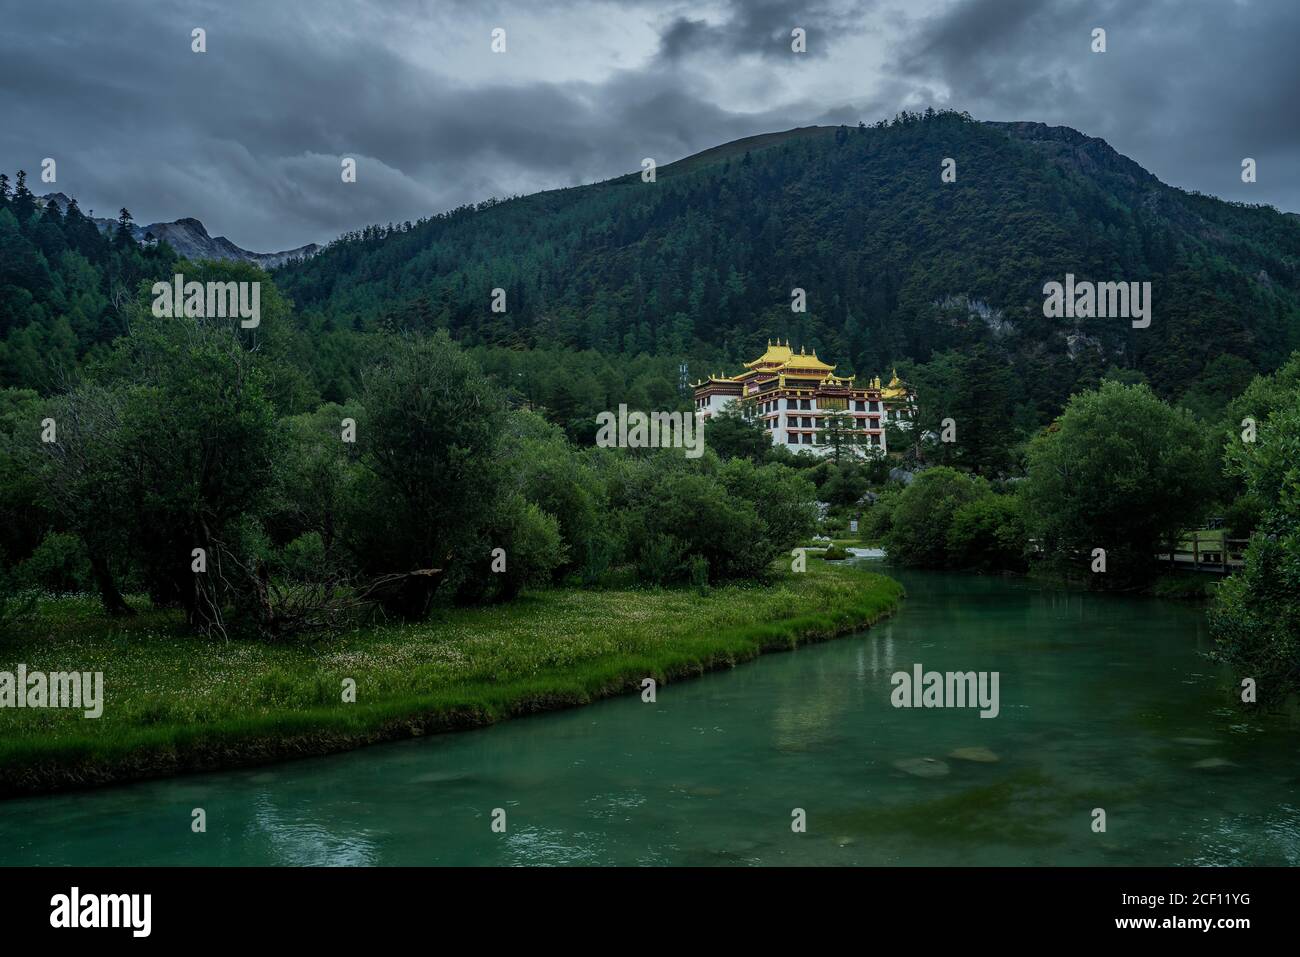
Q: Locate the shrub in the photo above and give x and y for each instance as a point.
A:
(531, 549)
(923, 516)
(303, 558)
(659, 559)
(879, 518)
(14, 605)
(58, 564)
(781, 497)
(546, 469)
(697, 570)
(725, 530)
(988, 534)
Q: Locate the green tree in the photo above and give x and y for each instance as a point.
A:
(988, 534)
(546, 470)
(1122, 471)
(122, 236)
(194, 458)
(429, 441)
(87, 480)
(526, 550)
(1255, 619)
(976, 391)
(839, 432)
(732, 433)
(923, 514)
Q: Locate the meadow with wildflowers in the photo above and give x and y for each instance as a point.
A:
(178, 701)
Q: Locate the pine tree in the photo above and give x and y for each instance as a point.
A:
(51, 213)
(123, 237)
(24, 203)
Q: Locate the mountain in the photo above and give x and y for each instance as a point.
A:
(897, 265)
(191, 240)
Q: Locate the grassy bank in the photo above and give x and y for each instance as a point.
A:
(174, 702)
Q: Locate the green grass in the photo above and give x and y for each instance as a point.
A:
(176, 702)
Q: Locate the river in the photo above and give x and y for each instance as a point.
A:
(1105, 703)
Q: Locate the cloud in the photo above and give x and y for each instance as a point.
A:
(1187, 90)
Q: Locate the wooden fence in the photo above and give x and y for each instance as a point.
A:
(1208, 550)
(1205, 550)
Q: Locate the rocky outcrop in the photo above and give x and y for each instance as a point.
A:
(190, 239)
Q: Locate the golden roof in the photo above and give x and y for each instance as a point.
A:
(895, 389)
(714, 377)
(782, 358)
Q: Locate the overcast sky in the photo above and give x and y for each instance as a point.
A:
(248, 136)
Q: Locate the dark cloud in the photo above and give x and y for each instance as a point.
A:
(1186, 89)
(248, 137)
(764, 28)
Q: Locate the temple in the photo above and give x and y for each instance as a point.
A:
(802, 402)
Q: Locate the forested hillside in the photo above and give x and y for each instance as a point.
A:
(609, 287)
(897, 264)
(64, 287)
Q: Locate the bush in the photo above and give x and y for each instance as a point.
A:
(303, 559)
(659, 559)
(782, 498)
(697, 570)
(521, 548)
(533, 546)
(1242, 516)
(923, 516)
(842, 484)
(988, 534)
(699, 513)
(737, 516)
(58, 564)
(14, 605)
(547, 471)
(1255, 618)
(879, 518)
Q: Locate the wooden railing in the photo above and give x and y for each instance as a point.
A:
(1205, 550)
(1209, 551)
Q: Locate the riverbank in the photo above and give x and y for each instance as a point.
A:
(1184, 586)
(176, 703)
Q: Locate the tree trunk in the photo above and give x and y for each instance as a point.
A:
(114, 604)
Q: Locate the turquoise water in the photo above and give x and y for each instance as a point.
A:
(1105, 703)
